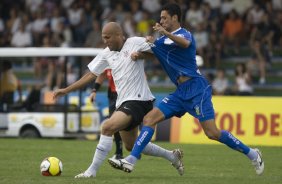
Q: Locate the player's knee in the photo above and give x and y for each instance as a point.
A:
(213, 135)
(108, 129)
(148, 121)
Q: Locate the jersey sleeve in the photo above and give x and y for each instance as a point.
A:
(142, 45)
(98, 64)
(185, 34)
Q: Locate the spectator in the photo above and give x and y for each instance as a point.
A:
(277, 5)
(39, 23)
(144, 25)
(42, 65)
(243, 83)
(194, 15)
(214, 49)
(27, 22)
(151, 6)
(55, 20)
(2, 26)
(21, 38)
(232, 30)
(226, 7)
(220, 83)
(259, 59)
(75, 14)
(66, 3)
(241, 6)
(261, 44)
(119, 13)
(265, 32)
(135, 11)
(76, 19)
(129, 25)
(64, 29)
(279, 29)
(209, 14)
(255, 14)
(33, 5)
(94, 38)
(13, 22)
(214, 4)
(202, 39)
(8, 83)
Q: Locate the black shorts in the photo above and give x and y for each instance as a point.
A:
(137, 109)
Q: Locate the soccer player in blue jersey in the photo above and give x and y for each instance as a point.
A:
(176, 51)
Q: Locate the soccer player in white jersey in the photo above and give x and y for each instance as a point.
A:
(134, 99)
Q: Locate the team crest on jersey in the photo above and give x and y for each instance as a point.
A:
(197, 110)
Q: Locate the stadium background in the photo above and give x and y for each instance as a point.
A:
(253, 38)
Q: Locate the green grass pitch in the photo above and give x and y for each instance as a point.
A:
(204, 164)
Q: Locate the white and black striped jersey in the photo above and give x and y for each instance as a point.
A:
(129, 76)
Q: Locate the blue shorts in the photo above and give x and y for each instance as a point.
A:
(193, 96)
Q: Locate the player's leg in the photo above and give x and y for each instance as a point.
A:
(112, 97)
(202, 108)
(118, 121)
(167, 108)
(151, 149)
(146, 133)
(231, 141)
(118, 142)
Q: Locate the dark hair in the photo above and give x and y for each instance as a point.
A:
(173, 9)
(244, 69)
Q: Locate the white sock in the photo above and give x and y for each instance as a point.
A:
(103, 148)
(157, 151)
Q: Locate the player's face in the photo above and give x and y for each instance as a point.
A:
(166, 21)
(113, 41)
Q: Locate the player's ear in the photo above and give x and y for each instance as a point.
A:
(175, 18)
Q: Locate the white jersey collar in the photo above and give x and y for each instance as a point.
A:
(176, 30)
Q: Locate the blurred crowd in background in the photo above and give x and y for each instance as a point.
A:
(222, 28)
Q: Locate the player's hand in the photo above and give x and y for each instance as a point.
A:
(160, 29)
(59, 93)
(150, 39)
(135, 56)
(93, 96)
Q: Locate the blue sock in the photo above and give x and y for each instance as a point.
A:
(228, 139)
(143, 139)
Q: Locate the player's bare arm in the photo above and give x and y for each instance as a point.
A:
(182, 42)
(99, 80)
(75, 86)
(142, 55)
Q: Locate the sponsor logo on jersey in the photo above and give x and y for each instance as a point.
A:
(197, 110)
(165, 100)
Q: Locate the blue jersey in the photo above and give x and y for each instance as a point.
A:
(177, 61)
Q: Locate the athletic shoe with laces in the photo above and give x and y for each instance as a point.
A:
(85, 175)
(178, 163)
(121, 164)
(258, 163)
